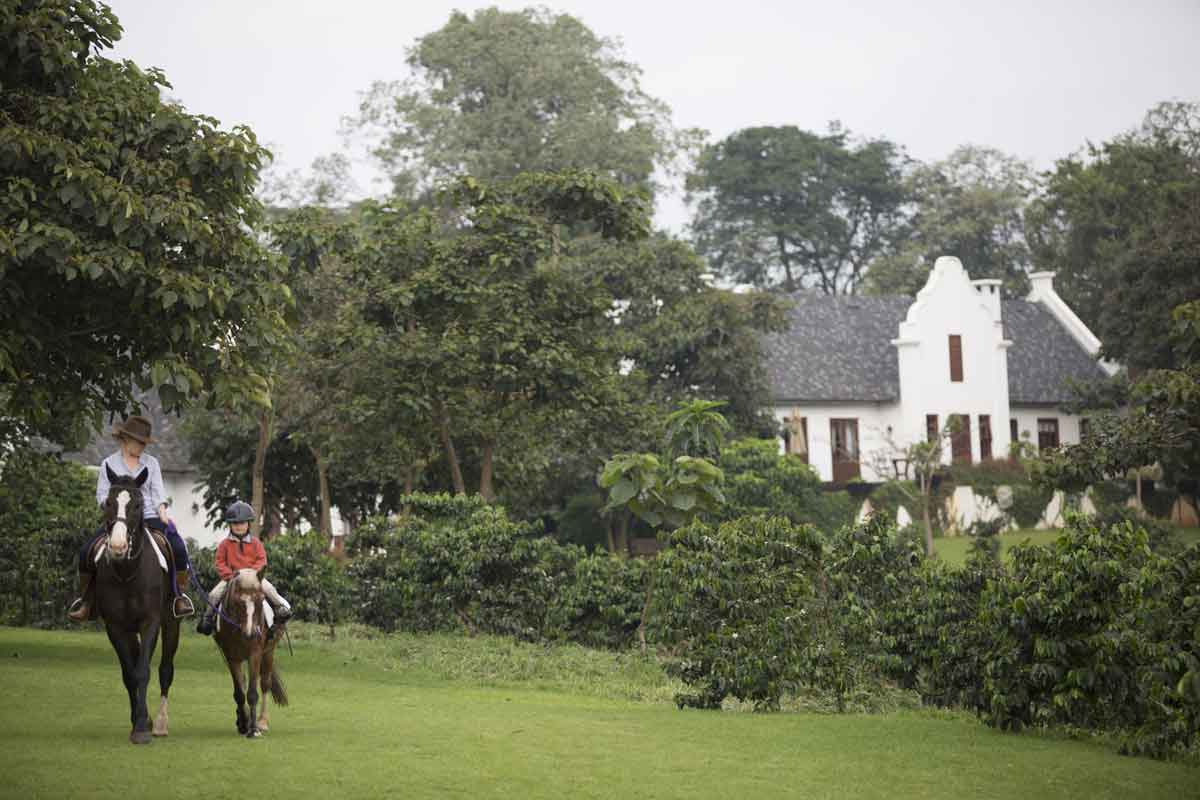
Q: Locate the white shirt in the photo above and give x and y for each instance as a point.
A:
(153, 492)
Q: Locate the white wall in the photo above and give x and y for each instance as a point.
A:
(874, 420)
(187, 509)
(1027, 417)
(950, 304)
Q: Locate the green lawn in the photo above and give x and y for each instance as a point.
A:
(446, 716)
(954, 548)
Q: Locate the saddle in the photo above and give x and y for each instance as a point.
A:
(165, 553)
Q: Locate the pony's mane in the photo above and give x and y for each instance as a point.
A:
(247, 580)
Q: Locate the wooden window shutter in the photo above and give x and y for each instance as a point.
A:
(956, 364)
(1012, 431)
(931, 427)
(985, 437)
(960, 439)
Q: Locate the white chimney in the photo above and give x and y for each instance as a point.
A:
(989, 290)
(1041, 285)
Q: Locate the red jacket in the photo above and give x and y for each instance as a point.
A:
(234, 554)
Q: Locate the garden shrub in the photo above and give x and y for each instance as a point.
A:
(761, 480)
(729, 607)
(47, 509)
(600, 603)
(1064, 647)
(314, 582)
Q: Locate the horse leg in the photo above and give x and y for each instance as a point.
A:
(255, 668)
(265, 669)
(125, 646)
(141, 674)
(239, 695)
(166, 672)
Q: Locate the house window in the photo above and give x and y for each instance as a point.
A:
(985, 437)
(1047, 434)
(931, 428)
(960, 438)
(843, 433)
(956, 367)
(1084, 428)
(1012, 431)
(795, 436)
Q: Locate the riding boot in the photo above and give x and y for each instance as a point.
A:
(183, 603)
(81, 609)
(208, 621)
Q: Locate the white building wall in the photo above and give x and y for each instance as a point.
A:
(950, 304)
(1027, 417)
(876, 423)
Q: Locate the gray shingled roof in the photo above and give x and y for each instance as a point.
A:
(839, 349)
(1044, 358)
(169, 447)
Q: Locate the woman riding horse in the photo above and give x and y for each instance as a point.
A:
(130, 460)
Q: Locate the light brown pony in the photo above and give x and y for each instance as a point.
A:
(246, 641)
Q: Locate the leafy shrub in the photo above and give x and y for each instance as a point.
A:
(728, 604)
(761, 480)
(1064, 647)
(600, 603)
(314, 582)
(47, 510)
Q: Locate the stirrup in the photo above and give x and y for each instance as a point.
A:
(191, 609)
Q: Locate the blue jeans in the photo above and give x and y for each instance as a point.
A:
(169, 531)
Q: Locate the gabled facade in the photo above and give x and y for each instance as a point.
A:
(857, 379)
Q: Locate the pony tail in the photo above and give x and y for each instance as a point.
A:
(278, 690)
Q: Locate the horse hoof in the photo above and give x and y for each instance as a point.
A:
(254, 734)
(140, 737)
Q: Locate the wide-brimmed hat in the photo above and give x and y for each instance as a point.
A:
(135, 427)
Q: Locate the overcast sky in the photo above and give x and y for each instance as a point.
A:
(1034, 79)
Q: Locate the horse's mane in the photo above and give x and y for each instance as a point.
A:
(246, 580)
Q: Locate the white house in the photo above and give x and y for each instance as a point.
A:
(857, 379)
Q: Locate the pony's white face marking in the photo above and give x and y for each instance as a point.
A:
(118, 539)
(248, 629)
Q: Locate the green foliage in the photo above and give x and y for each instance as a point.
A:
(761, 480)
(781, 208)
(600, 603)
(729, 604)
(969, 205)
(126, 240)
(1118, 224)
(314, 582)
(47, 510)
(697, 429)
(498, 92)
(1065, 649)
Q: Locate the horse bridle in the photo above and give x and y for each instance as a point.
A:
(134, 551)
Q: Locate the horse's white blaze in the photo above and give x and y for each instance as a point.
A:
(118, 540)
(249, 628)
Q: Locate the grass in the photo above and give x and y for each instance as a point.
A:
(412, 716)
(953, 549)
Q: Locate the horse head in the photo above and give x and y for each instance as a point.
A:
(123, 512)
(245, 598)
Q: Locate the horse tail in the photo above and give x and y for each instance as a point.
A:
(278, 690)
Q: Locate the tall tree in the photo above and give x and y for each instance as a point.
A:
(126, 244)
(503, 92)
(783, 209)
(970, 205)
(1120, 224)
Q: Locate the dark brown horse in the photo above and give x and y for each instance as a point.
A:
(134, 600)
(243, 637)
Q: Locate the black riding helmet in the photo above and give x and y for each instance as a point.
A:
(240, 511)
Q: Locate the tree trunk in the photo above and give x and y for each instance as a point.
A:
(257, 479)
(608, 531)
(926, 488)
(326, 526)
(485, 472)
(443, 423)
(623, 535)
(410, 479)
